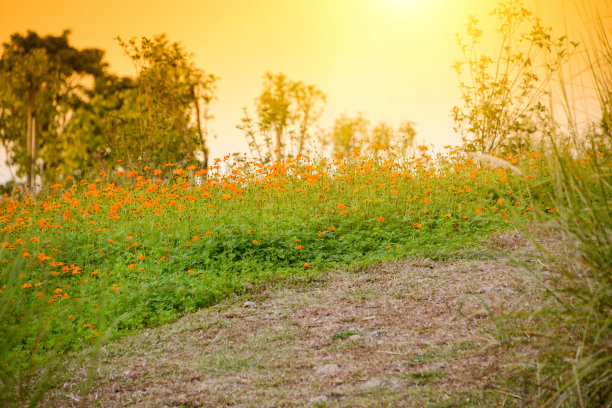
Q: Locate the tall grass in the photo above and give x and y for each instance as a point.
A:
(576, 353)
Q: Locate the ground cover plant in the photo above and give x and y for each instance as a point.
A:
(117, 252)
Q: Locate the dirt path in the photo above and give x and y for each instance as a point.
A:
(408, 333)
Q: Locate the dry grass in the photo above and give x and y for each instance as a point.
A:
(407, 333)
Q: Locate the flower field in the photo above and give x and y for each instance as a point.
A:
(122, 250)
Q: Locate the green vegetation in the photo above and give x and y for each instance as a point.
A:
(138, 228)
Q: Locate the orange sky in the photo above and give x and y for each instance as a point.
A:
(390, 59)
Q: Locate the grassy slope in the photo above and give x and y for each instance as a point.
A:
(408, 333)
(119, 252)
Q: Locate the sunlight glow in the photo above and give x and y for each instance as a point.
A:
(399, 8)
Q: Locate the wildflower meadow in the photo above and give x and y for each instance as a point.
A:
(120, 251)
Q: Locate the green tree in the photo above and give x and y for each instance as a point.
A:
(308, 100)
(349, 133)
(41, 81)
(286, 112)
(383, 138)
(164, 119)
(503, 95)
(91, 124)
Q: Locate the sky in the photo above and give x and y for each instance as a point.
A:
(389, 59)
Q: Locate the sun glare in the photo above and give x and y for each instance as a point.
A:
(396, 7)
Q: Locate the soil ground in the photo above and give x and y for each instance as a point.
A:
(408, 333)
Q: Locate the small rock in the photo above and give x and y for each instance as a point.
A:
(249, 304)
(328, 369)
(370, 384)
(321, 399)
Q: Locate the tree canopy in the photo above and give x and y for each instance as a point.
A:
(62, 113)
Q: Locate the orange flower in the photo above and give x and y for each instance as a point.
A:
(381, 219)
(195, 238)
(140, 257)
(306, 265)
(255, 242)
(131, 266)
(42, 257)
(417, 225)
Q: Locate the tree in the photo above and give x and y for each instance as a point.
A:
(164, 119)
(349, 133)
(273, 108)
(502, 96)
(91, 124)
(308, 100)
(41, 77)
(286, 112)
(406, 133)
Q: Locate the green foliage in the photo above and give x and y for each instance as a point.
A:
(41, 84)
(574, 363)
(345, 334)
(349, 133)
(165, 121)
(85, 140)
(70, 128)
(574, 330)
(503, 96)
(137, 252)
(286, 112)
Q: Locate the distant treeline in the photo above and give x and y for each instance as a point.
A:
(62, 113)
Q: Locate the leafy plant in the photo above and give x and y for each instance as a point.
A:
(165, 122)
(504, 95)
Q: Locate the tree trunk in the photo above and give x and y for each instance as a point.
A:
(202, 132)
(279, 133)
(31, 138)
